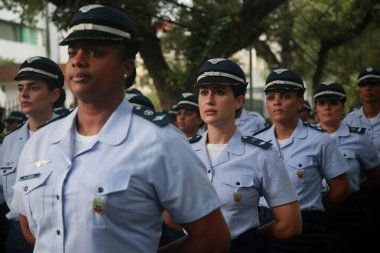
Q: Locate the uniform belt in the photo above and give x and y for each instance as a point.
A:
(244, 238)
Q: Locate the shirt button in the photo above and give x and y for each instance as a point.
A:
(58, 232)
(300, 165)
(57, 197)
(237, 183)
(4, 171)
(100, 189)
(209, 171)
(26, 188)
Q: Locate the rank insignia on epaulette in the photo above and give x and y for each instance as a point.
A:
(257, 142)
(157, 118)
(237, 197)
(300, 174)
(358, 130)
(194, 138)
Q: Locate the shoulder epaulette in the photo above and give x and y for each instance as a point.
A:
(358, 130)
(195, 138)
(257, 142)
(61, 116)
(157, 118)
(262, 130)
(314, 127)
(18, 127)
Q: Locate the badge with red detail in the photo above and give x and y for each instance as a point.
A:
(237, 197)
(98, 205)
(301, 174)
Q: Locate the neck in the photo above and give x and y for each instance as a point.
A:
(218, 135)
(34, 122)
(284, 131)
(330, 127)
(92, 117)
(371, 109)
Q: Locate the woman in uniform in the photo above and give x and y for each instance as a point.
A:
(355, 143)
(241, 168)
(309, 155)
(40, 85)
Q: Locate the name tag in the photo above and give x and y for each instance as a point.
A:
(31, 176)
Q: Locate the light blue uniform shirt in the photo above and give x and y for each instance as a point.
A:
(359, 151)
(250, 122)
(9, 154)
(310, 156)
(241, 174)
(110, 197)
(357, 118)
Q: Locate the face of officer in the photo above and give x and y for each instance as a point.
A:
(370, 93)
(218, 105)
(96, 71)
(188, 121)
(35, 98)
(283, 106)
(329, 111)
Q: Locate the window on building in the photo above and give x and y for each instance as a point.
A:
(21, 33)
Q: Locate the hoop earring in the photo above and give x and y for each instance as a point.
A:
(125, 76)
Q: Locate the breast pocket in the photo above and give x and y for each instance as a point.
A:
(33, 188)
(109, 200)
(239, 191)
(300, 170)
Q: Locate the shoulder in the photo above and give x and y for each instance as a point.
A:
(61, 116)
(315, 127)
(194, 139)
(357, 130)
(16, 129)
(256, 142)
(157, 118)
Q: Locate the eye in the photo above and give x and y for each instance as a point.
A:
(19, 88)
(270, 97)
(286, 96)
(203, 92)
(71, 52)
(95, 52)
(34, 88)
(219, 92)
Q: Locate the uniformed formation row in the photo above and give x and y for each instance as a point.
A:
(114, 175)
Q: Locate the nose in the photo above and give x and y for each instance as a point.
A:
(79, 60)
(210, 98)
(24, 92)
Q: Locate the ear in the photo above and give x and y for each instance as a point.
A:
(239, 102)
(55, 94)
(128, 67)
(301, 102)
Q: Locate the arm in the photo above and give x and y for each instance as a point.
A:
(287, 223)
(29, 237)
(339, 191)
(371, 179)
(209, 234)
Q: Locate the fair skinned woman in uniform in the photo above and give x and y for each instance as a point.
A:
(241, 168)
(103, 175)
(345, 224)
(309, 155)
(39, 82)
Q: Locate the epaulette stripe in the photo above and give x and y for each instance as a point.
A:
(314, 127)
(194, 139)
(61, 116)
(262, 130)
(257, 142)
(357, 130)
(157, 118)
(18, 127)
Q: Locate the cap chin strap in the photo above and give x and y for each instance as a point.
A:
(329, 92)
(220, 74)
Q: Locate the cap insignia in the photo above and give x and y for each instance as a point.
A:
(216, 60)
(369, 69)
(279, 71)
(87, 8)
(31, 59)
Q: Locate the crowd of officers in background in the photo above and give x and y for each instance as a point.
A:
(304, 180)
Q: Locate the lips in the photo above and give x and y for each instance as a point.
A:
(209, 112)
(80, 77)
